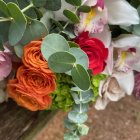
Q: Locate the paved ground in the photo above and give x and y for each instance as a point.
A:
(120, 121)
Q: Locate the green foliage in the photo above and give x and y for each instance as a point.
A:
(62, 98)
(81, 57)
(74, 2)
(18, 26)
(84, 8)
(80, 77)
(53, 43)
(61, 62)
(71, 16)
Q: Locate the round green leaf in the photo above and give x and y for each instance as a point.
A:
(77, 117)
(53, 43)
(73, 44)
(81, 57)
(83, 129)
(61, 62)
(80, 77)
(84, 8)
(18, 26)
(39, 3)
(74, 2)
(19, 50)
(3, 8)
(53, 5)
(35, 30)
(71, 16)
(71, 136)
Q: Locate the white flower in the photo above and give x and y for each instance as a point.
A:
(114, 12)
(115, 88)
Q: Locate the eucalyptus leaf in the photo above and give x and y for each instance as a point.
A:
(84, 8)
(71, 16)
(80, 77)
(61, 62)
(71, 136)
(53, 5)
(19, 50)
(81, 108)
(73, 44)
(74, 2)
(18, 26)
(69, 124)
(4, 9)
(46, 19)
(39, 3)
(35, 30)
(77, 117)
(83, 129)
(53, 43)
(136, 29)
(81, 57)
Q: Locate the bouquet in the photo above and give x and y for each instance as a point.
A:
(69, 55)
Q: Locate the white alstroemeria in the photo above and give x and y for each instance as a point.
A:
(115, 88)
(128, 47)
(114, 12)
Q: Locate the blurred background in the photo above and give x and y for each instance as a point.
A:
(119, 121)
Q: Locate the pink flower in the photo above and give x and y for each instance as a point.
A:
(137, 86)
(5, 64)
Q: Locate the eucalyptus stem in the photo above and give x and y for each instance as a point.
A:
(27, 8)
(5, 19)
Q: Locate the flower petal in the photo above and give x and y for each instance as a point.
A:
(124, 14)
(126, 40)
(101, 103)
(126, 81)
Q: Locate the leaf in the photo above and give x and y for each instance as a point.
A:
(53, 43)
(19, 50)
(61, 62)
(73, 44)
(3, 8)
(81, 108)
(74, 2)
(35, 30)
(71, 136)
(1, 46)
(84, 8)
(53, 5)
(81, 57)
(69, 125)
(39, 3)
(58, 24)
(71, 16)
(18, 26)
(80, 77)
(83, 129)
(46, 19)
(136, 29)
(77, 117)
(83, 97)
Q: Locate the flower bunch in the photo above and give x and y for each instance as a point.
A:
(67, 54)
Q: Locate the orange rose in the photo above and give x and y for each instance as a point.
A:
(31, 89)
(32, 57)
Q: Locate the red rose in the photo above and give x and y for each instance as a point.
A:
(96, 51)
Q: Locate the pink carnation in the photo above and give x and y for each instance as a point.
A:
(137, 86)
(5, 64)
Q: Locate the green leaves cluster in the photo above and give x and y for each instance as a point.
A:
(72, 16)
(63, 59)
(78, 115)
(62, 99)
(19, 21)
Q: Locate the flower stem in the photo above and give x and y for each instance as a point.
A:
(5, 19)
(27, 8)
